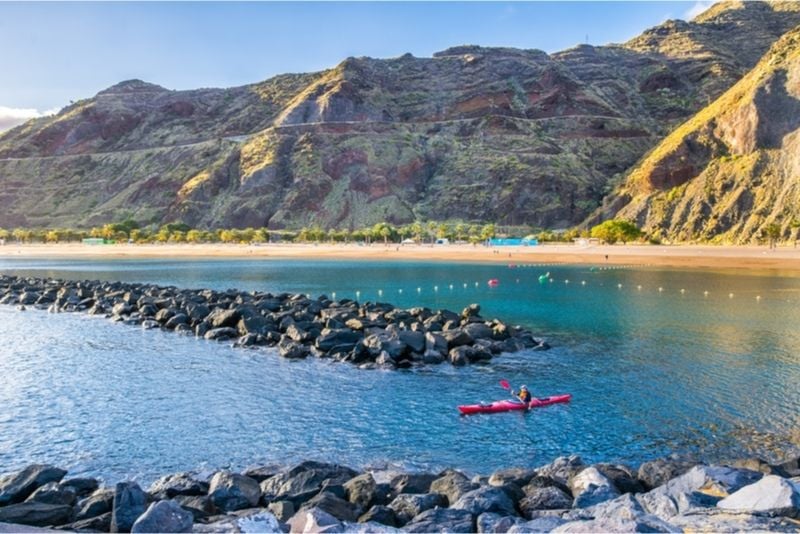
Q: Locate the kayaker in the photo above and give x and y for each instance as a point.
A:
(524, 395)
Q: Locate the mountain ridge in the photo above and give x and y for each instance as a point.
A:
(472, 133)
(733, 170)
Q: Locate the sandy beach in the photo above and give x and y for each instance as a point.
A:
(684, 256)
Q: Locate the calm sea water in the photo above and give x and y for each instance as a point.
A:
(652, 372)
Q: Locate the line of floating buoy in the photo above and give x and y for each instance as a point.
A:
(493, 282)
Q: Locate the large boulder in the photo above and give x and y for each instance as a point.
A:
(623, 514)
(292, 350)
(660, 471)
(539, 481)
(380, 514)
(254, 324)
(452, 485)
(514, 475)
(220, 318)
(457, 337)
(491, 522)
(283, 510)
(539, 524)
(406, 506)
(83, 486)
(54, 493)
(771, 495)
(544, 498)
(314, 520)
(200, 506)
(361, 490)
(129, 503)
(442, 520)
(99, 523)
(232, 491)
(791, 467)
(342, 337)
(339, 508)
(486, 499)
(303, 481)
(590, 487)
(16, 487)
(622, 477)
(169, 486)
(260, 521)
(221, 334)
(412, 483)
(478, 331)
(164, 516)
(562, 468)
(461, 355)
(415, 340)
(699, 488)
(98, 503)
(35, 514)
(724, 521)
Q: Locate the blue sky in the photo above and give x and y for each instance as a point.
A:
(56, 52)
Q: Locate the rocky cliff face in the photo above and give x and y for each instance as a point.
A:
(734, 168)
(473, 133)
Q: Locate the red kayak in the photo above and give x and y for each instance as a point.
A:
(508, 405)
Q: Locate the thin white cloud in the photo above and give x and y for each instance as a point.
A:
(10, 117)
(697, 8)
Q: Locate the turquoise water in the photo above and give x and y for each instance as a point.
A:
(651, 372)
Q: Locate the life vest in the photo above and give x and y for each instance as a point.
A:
(525, 396)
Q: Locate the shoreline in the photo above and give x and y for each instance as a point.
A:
(786, 259)
(567, 495)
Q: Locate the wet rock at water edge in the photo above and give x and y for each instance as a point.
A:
(16, 487)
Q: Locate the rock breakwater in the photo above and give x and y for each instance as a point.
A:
(369, 335)
(567, 495)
